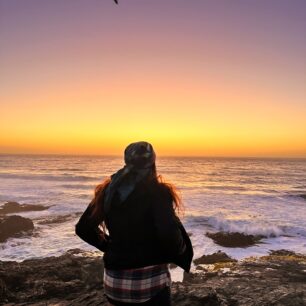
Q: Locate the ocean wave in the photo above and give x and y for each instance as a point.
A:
(225, 187)
(246, 227)
(192, 220)
(300, 187)
(77, 186)
(44, 177)
(69, 169)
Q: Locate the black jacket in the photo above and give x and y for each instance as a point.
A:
(143, 230)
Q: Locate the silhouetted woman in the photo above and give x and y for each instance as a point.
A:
(144, 232)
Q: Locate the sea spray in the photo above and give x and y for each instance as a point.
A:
(249, 227)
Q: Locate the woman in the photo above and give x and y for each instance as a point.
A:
(145, 235)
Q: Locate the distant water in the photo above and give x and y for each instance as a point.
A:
(253, 196)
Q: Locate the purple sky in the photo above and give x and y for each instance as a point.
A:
(236, 47)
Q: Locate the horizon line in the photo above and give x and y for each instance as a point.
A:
(160, 155)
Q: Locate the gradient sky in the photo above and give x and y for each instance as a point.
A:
(193, 77)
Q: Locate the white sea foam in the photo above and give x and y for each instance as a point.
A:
(250, 227)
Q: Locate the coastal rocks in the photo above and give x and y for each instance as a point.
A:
(76, 278)
(190, 295)
(59, 219)
(12, 226)
(234, 240)
(211, 265)
(64, 278)
(214, 258)
(285, 253)
(53, 220)
(276, 279)
(14, 207)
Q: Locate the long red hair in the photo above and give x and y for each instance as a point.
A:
(99, 192)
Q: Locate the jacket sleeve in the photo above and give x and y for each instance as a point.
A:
(167, 226)
(87, 229)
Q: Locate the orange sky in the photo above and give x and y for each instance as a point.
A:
(90, 80)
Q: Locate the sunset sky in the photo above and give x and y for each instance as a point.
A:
(193, 77)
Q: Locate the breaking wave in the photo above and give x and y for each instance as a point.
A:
(246, 227)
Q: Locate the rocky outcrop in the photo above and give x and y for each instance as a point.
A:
(276, 279)
(214, 258)
(61, 278)
(14, 207)
(58, 219)
(75, 278)
(14, 226)
(234, 240)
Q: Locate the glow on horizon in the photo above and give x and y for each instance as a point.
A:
(92, 87)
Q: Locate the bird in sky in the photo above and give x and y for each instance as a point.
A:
(116, 1)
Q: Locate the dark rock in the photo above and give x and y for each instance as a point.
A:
(234, 240)
(194, 277)
(13, 226)
(303, 196)
(74, 279)
(214, 258)
(64, 277)
(190, 295)
(14, 207)
(56, 219)
(282, 253)
(279, 280)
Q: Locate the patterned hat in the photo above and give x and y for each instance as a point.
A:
(139, 158)
(139, 155)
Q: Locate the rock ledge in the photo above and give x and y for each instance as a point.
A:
(75, 278)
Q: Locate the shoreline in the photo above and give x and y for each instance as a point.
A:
(21, 221)
(75, 278)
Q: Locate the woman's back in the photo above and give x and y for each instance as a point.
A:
(134, 227)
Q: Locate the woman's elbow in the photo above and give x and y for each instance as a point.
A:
(79, 229)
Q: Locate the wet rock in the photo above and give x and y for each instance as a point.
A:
(14, 207)
(56, 219)
(234, 240)
(214, 258)
(13, 226)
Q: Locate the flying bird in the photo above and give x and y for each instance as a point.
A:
(116, 1)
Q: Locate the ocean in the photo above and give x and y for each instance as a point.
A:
(247, 195)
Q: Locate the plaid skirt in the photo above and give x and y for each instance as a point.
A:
(136, 285)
